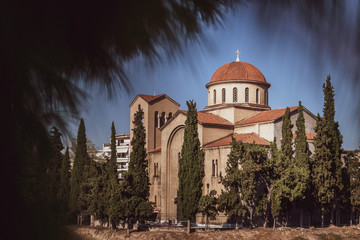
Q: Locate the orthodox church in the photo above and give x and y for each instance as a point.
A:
(237, 106)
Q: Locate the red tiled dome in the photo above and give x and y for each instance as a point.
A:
(237, 71)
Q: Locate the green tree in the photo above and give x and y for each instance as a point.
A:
(276, 193)
(64, 188)
(135, 188)
(207, 206)
(352, 160)
(77, 174)
(252, 185)
(326, 162)
(191, 168)
(113, 191)
(229, 200)
(286, 180)
(300, 166)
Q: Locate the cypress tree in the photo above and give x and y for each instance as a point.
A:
(80, 162)
(287, 176)
(335, 138)
(191, 170)
(112, 192)
(326, 162)
(64, 188)
(276, 194)
(135, 188)
(229, 200)
(301, 166)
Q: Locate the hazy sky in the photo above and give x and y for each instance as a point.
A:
(286, 57)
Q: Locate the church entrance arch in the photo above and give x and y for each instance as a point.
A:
(174, 146)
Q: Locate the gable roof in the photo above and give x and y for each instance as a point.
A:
(244, 137)
(266, 116)
(150, 99)
(309, 136)
(209, 118)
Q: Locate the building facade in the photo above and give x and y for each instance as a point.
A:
(237, 106)
(122, 152)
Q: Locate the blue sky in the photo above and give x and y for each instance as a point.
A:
(286, 57)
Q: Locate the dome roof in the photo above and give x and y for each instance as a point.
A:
(237, 71)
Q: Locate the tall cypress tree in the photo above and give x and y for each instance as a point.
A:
(64, 188)
(301, 166)
(112, 192)
(135, 188)
(287, 153)
(326, 163)
(335, 142)
(191, 170)
(77, 175)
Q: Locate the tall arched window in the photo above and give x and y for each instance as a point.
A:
(216, 168)
(213, 168)
(170, 115)
(214, 96)
(266, 97)
(246, 94)
(257, 96)
(156, 119)
(162, 119)
(223, 95)
(235, 95)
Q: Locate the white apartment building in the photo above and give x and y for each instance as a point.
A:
(122, 152)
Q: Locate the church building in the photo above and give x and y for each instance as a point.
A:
(237, 106)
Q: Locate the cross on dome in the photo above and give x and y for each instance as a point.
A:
(237, 55)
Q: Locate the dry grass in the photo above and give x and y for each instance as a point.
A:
(330, 233)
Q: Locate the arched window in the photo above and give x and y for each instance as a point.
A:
(257, 96)
(213, 168)
(156, 119)
(162, 119)
(170, 115)
(234, 94)
(223, 95)
(266, 97)
(155, 200)
(216, 168)
(246, 94)
(214, 96)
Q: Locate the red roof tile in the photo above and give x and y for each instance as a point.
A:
(237, 71)
(149, 98)
(265, 116)
(245, 138)
(209, 118)
(309, 136)
(155, 150)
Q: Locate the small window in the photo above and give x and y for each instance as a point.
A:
(214, 96)
(170, 115)
(155, 200)
(235, 97)
(257, 96)
(246, 94)
(223, 95)
(213, 168)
